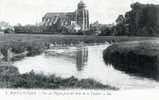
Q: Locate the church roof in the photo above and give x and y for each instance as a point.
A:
(59, 14)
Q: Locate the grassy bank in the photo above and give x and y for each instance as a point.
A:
(138, 58)
(36, 44)
(10, 78)
(66, 39)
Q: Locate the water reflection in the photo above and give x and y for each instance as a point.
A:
(79, 55)
(81, 58)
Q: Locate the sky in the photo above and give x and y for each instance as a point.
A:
(32, 11)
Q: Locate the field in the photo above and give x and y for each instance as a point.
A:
(36, 44)
(67, 39)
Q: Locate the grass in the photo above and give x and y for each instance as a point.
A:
(36, 44)
(52, 82)
(10, 78)
(139, 58)
(67, 39)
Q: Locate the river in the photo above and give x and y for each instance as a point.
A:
(87, 63)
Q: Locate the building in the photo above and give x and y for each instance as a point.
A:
(73, 21)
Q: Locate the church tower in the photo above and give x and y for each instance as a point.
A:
(82, 16)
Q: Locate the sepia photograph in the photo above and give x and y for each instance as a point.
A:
(90, 45)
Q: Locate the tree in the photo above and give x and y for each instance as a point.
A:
(120, 19)
(6, 27)
(28, 28)
(141, 20)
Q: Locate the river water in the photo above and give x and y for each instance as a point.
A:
(86, 62)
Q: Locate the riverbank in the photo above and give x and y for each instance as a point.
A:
(139, 58)
(11, 78)
(66, 39)
(36, 44)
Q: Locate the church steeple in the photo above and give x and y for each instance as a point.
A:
(81, 5)
(82, 16)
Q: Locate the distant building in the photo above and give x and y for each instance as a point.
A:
(77, 20)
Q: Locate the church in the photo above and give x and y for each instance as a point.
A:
(73, 21)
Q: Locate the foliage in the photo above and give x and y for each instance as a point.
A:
(28, 28)
(6, 27)
(107, 31)
(32, 80)
(101, 29)
(142, 20)
(8, 30)
(11, 78)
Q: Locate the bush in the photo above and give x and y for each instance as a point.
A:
(8, 70)
(32, 80)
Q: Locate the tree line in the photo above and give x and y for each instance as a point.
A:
(141, 20)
